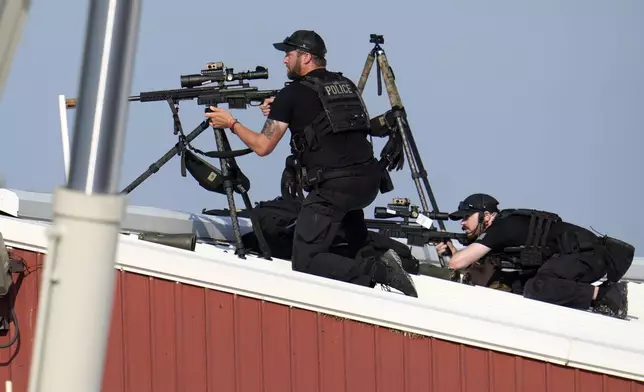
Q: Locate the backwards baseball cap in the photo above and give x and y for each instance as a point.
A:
(305, 40)
(477, 202)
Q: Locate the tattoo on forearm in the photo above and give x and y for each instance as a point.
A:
(270, 126)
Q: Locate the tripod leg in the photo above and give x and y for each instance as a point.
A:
(228, 186)
(165, 158)
(395, 101)
(232, 170)
(365, 72)
(423, 174)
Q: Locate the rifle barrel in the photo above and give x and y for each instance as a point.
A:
(71, 103)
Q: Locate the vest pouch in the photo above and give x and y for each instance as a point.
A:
(531, 258)
(310, 139)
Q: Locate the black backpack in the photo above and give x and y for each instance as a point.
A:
(277, 219)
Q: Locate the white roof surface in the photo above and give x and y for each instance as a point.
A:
(446, 310)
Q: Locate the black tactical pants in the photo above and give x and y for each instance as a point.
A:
(332, 212)
(566, 280)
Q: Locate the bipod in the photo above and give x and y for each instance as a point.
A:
(216, 178)
(178, 149)
(233, 180)
(384, 71)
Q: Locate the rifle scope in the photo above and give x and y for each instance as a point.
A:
(385, 213)
(208, 76)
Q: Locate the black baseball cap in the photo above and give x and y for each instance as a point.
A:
(306, 40)
(477, 202)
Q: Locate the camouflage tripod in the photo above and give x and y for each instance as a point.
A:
(383, 70)
(409, 145)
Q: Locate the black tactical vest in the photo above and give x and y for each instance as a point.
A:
(533, 252)
(527, 256)
(540, 245)
(343, 108)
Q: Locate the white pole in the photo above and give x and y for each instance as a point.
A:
(64, 133)
(13, 16)
(77, 289)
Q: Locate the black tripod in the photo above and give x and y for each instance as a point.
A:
(416, 166)
(225, 181)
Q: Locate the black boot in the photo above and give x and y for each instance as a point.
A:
(388, 271)
(612, 299)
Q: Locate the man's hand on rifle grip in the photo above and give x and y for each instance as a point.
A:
(445, 248)
(266, 106)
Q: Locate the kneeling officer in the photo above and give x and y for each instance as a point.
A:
(329, 126)
(557, 261)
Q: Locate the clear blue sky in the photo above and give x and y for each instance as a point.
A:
(537, 103)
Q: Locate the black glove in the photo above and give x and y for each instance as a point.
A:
(392, 114)
(393, 152)
(386, 124)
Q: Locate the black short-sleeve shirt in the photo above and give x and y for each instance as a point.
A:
(509, 231)
(297, 105)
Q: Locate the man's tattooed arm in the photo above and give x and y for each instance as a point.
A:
(270, 126)
(264, 142)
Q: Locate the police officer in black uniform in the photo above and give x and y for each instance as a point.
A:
(329, 126)
(555, 261)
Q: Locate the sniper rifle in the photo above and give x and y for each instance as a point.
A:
(194, 86)
(417, 233)
(210, 88)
